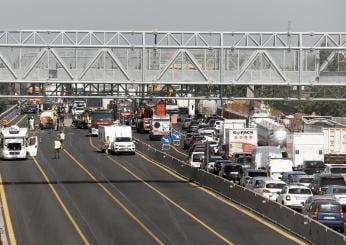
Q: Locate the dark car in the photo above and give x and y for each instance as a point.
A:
(196, 145)
(322, 181)
(251, 173)
(188, 138)
(193, 126)
(328, 212)
(313, 167)
(232, 172)
(218, 165)
(245, 162)
(28, 109)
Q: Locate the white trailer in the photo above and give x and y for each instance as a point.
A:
(262, 154)
(242, 140)
(15, 143)
(334, 140)
(305, 146)
(160, 126)
(227, 124)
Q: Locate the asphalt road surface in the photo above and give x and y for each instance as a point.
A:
(87, 197)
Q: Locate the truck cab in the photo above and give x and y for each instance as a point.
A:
(100, 117)
(16, 144)
(160, 126)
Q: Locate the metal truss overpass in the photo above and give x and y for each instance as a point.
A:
(274, 65)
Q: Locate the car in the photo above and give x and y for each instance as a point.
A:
(313, 167)
(188, 139)
(339, 193)
(245, 162)
(270, 188)
(287, 177)
(311, 199)
(193, 125)
(304, 180)
(335, 169)
(210, 165)
(232, 172)
(186, 123)
(256, 182)
(322, 181)
(328, 212)
(195, 139)
(251, 173)
(237, 155)
(196, 144)
(218, 165)
(196, 159)
(294, 196)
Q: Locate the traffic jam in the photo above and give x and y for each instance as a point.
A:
(296, 160)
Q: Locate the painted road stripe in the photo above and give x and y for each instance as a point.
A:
(127, 211)
(228, 202)
(220, 236)
(67, 212)
(8, 221)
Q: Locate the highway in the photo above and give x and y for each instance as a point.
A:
(87, 197)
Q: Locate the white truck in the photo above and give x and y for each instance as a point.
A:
(160, 126)
(15, 143)
(302, 147)
(241, 140)
(261, 156)
(334, 145)
(276, 167)
(227, 124)
(120, 138)
(78, 107)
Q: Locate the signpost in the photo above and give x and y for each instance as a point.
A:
(176, 137)
(166, 143)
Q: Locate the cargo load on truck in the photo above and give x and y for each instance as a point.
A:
(334, 145)
(160, 123)
(144, 115)
(48, 119)
(242, 140)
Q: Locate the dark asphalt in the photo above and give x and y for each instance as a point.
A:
(38, 218)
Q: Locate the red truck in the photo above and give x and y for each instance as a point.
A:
(100, 117)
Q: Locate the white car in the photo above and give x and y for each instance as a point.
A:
(339, 192)
(270, 188)
(256, 183)
(294, 196)
(336, 169)
(211, 163)
(196, 159)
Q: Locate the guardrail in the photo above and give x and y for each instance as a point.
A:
(287, 218)
(10, 113)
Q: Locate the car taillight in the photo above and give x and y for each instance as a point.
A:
(315, 214)
(341, 213)
(288, 198)
(224, 174)
(266, 191)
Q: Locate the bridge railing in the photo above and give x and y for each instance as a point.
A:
(287, 218)
(9, 114)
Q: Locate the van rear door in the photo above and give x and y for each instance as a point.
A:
(32, 144)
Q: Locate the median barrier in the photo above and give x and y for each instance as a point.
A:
(287, 218)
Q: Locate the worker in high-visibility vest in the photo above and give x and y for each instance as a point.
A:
(57, 147)
(62, 138)
(31, 123)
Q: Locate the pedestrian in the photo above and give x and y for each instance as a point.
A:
(31, 123)
(57, 147)
(106, 143)
(62, 138)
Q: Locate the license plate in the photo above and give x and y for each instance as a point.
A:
(328, 217)
(234, 172)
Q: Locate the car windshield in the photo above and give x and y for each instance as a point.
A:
(123, 139)
(215, 158)
(100, 116)
(257, 174)
(306, 180)
(339, 190)
(338, 170)
(299, 191)
(244, 160)
(314, 164)
(198, 157)
(275, 185)
(233, 168)
(329, 207)
(332, 181)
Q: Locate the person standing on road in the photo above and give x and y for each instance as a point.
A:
(57, 147)
(62, 138)
(106, 142)
(31, 124)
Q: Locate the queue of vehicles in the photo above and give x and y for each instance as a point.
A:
(290, 179)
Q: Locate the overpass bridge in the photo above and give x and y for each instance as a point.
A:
(274, 65)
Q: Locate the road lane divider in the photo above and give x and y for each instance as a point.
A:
(6, 210)
(196, 219)
(117, 201)
(224, 200)
(62, 204)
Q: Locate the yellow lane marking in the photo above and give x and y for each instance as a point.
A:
(67, 212)
(169, 200)
(228, 202)
(128, 212)
(8, 220)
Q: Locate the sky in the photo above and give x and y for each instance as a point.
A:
(192, 15)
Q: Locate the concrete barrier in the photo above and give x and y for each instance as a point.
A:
(298, 224)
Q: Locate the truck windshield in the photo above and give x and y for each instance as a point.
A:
(101, 116)
(123, 139)
(14, 146)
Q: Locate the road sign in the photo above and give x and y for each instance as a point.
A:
(176, 136)
(166, 143)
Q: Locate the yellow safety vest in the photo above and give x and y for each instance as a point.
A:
(57, 144)
(62, 136)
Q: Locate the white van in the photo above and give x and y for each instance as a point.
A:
(276, 167)
(16, 144)
(196, 159)
(120, 138)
